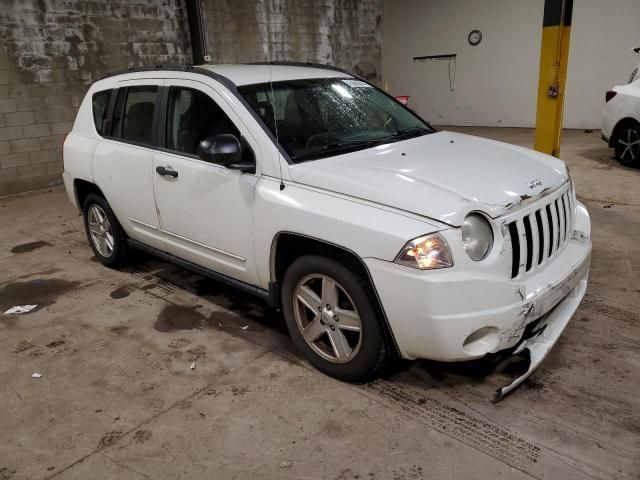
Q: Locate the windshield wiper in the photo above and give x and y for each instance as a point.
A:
(351, 145)
(336, 148)
(407, 132)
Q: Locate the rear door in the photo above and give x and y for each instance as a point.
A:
(123, 161)
(205, 209)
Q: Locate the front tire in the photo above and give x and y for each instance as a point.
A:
(106, 237)
(330, 314)
(627, 145)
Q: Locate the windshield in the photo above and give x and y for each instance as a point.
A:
(323, 117)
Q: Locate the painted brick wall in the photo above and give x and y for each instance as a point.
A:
(346, 33)
(50, 51)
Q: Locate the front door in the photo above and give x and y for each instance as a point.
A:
(205, 209)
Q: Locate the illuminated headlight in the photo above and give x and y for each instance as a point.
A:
(426, 253)
(477, 236)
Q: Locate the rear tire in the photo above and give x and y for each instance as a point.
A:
(330, 314)
(627, 144)
(105, 234)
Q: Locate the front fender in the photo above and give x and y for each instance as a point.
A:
(367, 230)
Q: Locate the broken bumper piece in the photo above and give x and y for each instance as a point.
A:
(544, 336)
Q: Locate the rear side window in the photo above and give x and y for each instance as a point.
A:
(133, 116)
(100, 103)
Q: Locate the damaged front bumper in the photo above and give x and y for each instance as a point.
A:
(458, 315)
(548, 329)
(464, 319)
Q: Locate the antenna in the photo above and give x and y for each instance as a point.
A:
(275, 119)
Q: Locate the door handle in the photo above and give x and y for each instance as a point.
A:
(166, 172)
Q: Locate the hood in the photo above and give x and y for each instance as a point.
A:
(442, 176)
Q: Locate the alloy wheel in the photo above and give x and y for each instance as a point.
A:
(100, 231)
(629, 141)
(327, 318)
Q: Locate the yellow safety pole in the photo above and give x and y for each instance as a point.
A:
(385, 53)
(554, 56)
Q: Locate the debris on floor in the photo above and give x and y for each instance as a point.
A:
(245, 327)
(20, 309)
(193, 366)
(286, 464)
(36, 375)
(23, 346)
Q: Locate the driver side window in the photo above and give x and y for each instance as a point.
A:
(192, 116)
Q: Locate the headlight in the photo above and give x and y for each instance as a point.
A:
(477, 236)
(426, 253)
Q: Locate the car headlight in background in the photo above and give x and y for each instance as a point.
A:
(477, 236)
(426, 253)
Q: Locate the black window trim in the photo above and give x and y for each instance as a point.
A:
(161, 129)
(233, 88)
(161, 105)
(117, 136)
(112, 104)
(159, 123)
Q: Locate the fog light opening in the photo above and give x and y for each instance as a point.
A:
(481, 341)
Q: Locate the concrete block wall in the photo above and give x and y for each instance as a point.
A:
(345, 33)
(51, 51)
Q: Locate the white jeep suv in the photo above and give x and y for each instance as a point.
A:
(374, 233)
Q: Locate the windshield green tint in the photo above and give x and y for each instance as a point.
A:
(323, 117)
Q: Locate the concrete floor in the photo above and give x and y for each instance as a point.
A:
(118, 398)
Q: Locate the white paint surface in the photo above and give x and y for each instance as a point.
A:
(496, 81)
(431, 182)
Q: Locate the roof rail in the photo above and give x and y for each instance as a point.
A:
(304, 64)
(174, 68)
(204, 71)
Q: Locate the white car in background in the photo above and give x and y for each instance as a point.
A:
(634, 74)
(621, 123)
(375, 234)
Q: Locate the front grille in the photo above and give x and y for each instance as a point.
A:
(538, 235)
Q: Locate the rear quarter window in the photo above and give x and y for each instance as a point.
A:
(100, 104)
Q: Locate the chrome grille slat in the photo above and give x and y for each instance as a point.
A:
(561, 221)
(567, 217)
(547, 234)
(523, 245)
(547, 210)
(554, 226)
(531, 231)
(538, 234)
(572, 210)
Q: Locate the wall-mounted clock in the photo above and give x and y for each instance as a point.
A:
(475, 37)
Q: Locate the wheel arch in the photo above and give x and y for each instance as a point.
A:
(619, 126)
(287, 246)
(82, 188)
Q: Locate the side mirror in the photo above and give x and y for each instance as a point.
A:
(223, 149)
